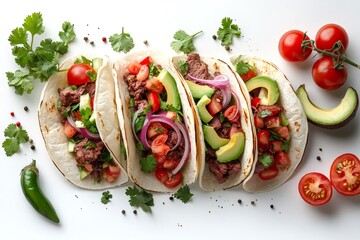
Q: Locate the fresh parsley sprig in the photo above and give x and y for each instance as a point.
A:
(183, 194)
(227, 31)
(140, 198)
(39, 62)
(15, 135)
(184, 42)
(121, 42)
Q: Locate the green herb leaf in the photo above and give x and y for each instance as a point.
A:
(140, 198)
(85, 117)
(148, 163)
(20, 81)
(121, 42)
(266, 160)
(241, 66)
(15, 136)
(228, 30)
(153, 70)
(183, 194)
(183, 42)
(183, 67)
(106, 197)
(68, 34)
(34, 24)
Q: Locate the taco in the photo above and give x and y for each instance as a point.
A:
(79, 124)
(280, 123)
(157, 122)
(225, 136)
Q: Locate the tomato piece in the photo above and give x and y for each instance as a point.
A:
(269, 173)
(255, 102)
(315, 188)
(174, 180)
(272, 122)
(134, 68)
(284, 132)
(276, 145)
(146, 61)
(259, 122)
(88, 167)
(78, 74)
(248, 75)
(70, 131)
(326, 76)
(158, 146)
(263, 137)
(154, 101)
(112, 173)
(330, 34)
(232, 114)
(282, 160)
(269, 110)
(214, 106)
(154, 85)
(290, 46)
(92, 103)
(170, 164)
(161, 175)
(160, 158)
(143, 73)
(345, 174)
(154, 129)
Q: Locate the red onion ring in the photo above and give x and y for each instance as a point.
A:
(89, 135)
(187, 148)
(220, 81)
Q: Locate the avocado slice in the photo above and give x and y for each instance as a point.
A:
(203, 112)
(233, 149)
(197, 91)
(336, 117)
(212, 138)
(168, 81)
(267, 83)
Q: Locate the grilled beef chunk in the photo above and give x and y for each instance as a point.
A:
(87, 154)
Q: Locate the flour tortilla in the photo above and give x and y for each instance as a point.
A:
(298, 125)
(148, 181)
(207, 180)
(52, 129)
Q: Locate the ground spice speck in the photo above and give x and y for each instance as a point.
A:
(253, 203)
(123, 212)
(214, 37)
(32, 147)
(26, 108)
(272, 206)
(135, 211)
(86, 39)
(239, 201)
(318, 158)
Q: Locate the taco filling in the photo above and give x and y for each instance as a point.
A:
(272, 127)
(76, 106)
(219, 110)
(157, 121)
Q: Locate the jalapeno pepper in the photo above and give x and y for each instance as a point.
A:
(34, 194)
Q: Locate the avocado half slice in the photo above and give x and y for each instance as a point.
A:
(330, 118)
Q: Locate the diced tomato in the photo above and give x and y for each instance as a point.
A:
(70, 131)
(154, 101)
(154, 85)
(259, 122)
(269, 110)
(247, 76)
(88, 167)
(263, 137)
(232, 114)
(158, 146)
(276, 145)
(284, 132)
(134, 68)
(146, 61)
(161, 175)
(170, 164)
(255, 102)
(92, 103)
(234, 130)
(214, 106)
(282, 160)
(143, 73)
(160, 158)
(269, 173)
(174, 180)
(77, 115)
(112, 172)
(272, 122)
(154, 129)
(171, 115)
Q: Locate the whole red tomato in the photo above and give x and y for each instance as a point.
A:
(79, 74)
(326, 76)
(329, 34)
(290, 46)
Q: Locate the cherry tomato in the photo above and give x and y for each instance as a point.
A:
(269, 173)
(174, 180)
(154, 129)
(315, 188)
(70, 131)
(326, 76)
(232, 114)
(345, 174)
(154, 85)
(143, 73)
(329, 34)
(154, 101)
(214, 106)
(161, 175)
(134, 68)
(77, 74)
(290, 46)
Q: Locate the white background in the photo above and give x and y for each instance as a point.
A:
(209, 215)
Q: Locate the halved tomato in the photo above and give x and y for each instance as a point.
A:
(174, 180)
(269, 173)
(263, 137)
(154, 101)
(345, 174)
(232, 114)
(214, 106)
(315, 188)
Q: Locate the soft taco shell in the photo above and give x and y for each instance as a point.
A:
(207, 181)
(53, 134)
(148, 181)
(298, 125)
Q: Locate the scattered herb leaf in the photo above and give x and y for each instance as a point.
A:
(183, 42)
(140, 198)
(121, 42)
(228, 30)
(15, 136)
(106, 197)
(183, 194)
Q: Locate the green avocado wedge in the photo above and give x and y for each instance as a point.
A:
(333, 118)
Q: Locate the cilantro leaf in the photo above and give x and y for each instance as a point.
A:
(228, 30)
(68, 34)
(183, 194)
(266, 160)
(183, 42)
(15, 136)
(106, 197)
(34, 24)
(20, 81)
(183, 67)
(121, 42)
(241, 66)
(148, 164)
(85, 117)
(140, 198)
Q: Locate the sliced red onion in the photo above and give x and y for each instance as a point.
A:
(237, 99)
(187, 148)
(162, 119)
(89, 135)
(71, 121)
(220, 81)
(226, 94)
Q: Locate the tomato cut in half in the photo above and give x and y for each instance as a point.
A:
(154, 85)
(174, 180)
(315, 188)
(154, 101)
(134, 68)
(70, 131)
(232, 114)
(214, 106)
(345, 174)
(269, 173)
(79, 74)
(143, 73)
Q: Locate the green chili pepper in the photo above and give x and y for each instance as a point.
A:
(33, 193)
